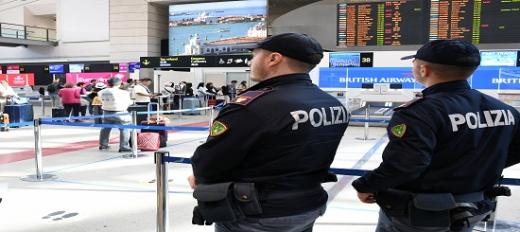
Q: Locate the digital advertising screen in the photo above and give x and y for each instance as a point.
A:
(216, 27)
(498, 58)
(56, 68)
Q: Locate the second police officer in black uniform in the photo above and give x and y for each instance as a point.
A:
(271, 148)
(446, 149)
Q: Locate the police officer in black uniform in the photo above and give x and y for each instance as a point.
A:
(445, 150)
(281, 135)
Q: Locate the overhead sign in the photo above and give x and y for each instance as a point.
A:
(86, 77)
(202, 61)
(133, 66)
(56, 68)
(13, 69)
(76, 68)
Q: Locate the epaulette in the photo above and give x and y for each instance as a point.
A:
(247, 97)
(409, 103)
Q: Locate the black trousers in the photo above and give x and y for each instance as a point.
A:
(74, 108)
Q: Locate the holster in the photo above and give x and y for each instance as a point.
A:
(247, 198)
(431, 209)
(225, 202)
(393, 202)
(215, 202)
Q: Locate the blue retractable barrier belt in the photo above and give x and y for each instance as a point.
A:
(119, 126)
(339, 171)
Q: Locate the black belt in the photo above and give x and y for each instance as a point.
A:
(284, 194)
(469, 197)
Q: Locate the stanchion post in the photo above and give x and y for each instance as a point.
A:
(161, 172)
(134, 153)
(211, 115)
(180, 106)
(367, 118)
(43, 106)
(367, 124)
(38, 148)
(38, 156)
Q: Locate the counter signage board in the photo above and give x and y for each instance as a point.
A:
(484, 78)
(18, 80)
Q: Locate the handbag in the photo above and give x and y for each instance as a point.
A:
(148, 141)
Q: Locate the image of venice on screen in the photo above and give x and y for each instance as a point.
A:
(217, 27)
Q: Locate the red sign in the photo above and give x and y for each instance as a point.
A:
(13, 67)
(18, 80)
(101, 77)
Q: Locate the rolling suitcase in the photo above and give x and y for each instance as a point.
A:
(191, 103)
(157, 121)
(19, 113)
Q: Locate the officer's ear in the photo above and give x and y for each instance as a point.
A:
(424, 70)
(275, 57)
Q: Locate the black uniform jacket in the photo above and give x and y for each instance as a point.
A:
(454, 139)
(281, 134)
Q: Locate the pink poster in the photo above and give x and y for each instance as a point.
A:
(18, 79)
(123, 67)
(86, 77)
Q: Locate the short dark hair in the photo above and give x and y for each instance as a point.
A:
(299, 65)
(450, 71)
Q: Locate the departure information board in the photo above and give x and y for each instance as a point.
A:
(381, 23)
(407, 22)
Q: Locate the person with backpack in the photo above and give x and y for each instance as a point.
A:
(53, 90)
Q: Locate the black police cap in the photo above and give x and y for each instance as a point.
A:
(448, 52)
(294, 45)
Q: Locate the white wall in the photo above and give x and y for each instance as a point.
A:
(136, 29)
(317, 20)
(38, 21)
(85, 37)
(81, 20)
(14, 16)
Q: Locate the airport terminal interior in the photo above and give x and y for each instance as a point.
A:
(192, 57)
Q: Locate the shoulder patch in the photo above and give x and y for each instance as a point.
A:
(218, 128)
(249, 96)
(409, 103)
(399, 130)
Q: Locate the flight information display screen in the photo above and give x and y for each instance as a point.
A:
(498, 58)
(381, 23)
(408, 22)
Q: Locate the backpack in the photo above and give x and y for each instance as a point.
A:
(52, 88)
(225, 90)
